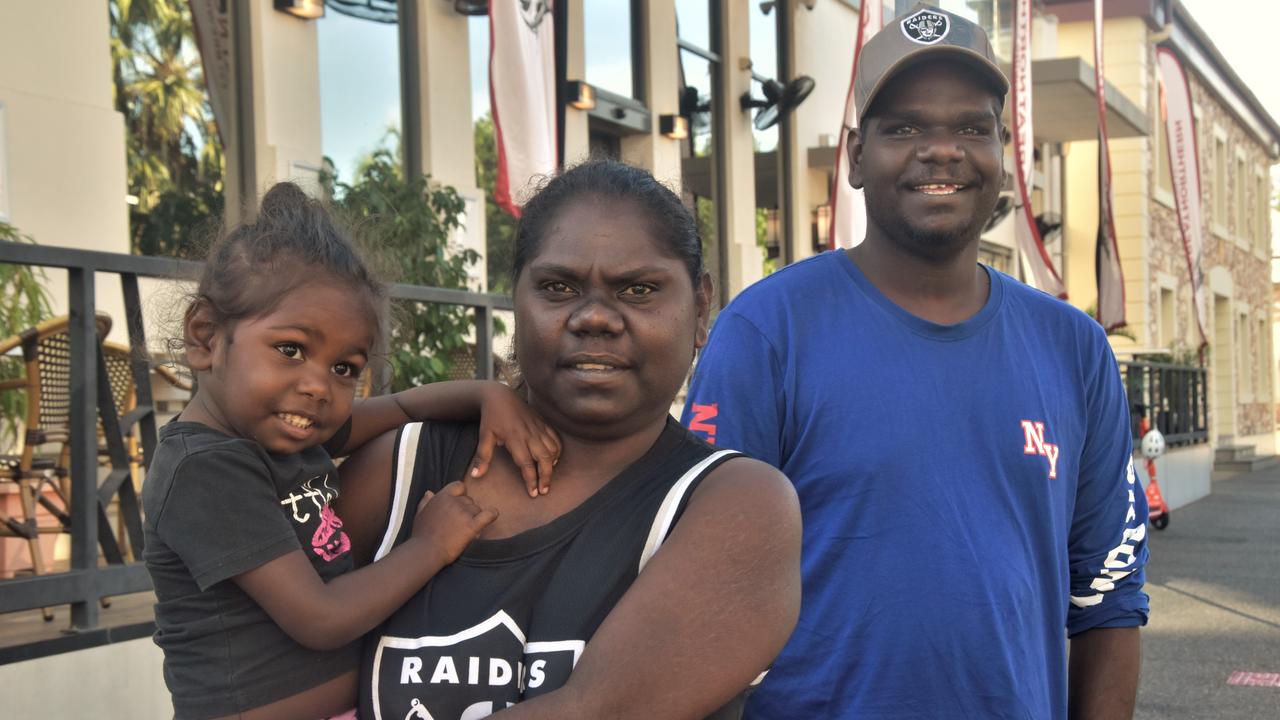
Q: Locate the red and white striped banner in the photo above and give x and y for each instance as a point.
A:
(1184, 169)
(522, 92)
(848, 207)
(1029, 240)
(1109, 273)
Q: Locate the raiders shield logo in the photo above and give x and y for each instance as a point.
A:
(926, 27)
(533, 11)
(468, 675)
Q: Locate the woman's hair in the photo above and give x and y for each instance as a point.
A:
(669, 220)
(293, 241)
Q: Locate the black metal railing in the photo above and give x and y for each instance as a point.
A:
(1173, 397)
(88, 580)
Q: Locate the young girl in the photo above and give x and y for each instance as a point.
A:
(258, 608)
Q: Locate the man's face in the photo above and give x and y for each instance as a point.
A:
(930, 158)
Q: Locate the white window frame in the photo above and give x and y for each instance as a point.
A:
(1219, 209)
(1238, 201)
(1262, 207)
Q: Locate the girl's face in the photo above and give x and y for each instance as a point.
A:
(287, 378)
(607, 321)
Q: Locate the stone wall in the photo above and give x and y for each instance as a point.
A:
(1227, 246)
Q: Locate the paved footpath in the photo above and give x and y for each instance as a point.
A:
(1214, 581)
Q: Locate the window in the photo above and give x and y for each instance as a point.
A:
(996, 257)
(359, 90)
(1160, 151)
(1263, 354)
(1220, 183)
(1261, 214)
(1167, 324)
(1240, 199)
(610, 46)
(1244, 358)
(699, 67)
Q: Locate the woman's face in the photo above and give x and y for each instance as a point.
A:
(607, 320)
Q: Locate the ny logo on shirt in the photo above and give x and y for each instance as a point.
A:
(1034, 444)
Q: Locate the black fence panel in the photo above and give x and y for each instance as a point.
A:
(1173, 397)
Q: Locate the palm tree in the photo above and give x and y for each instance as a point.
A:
(175, 162)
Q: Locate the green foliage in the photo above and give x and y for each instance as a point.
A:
(499, 225)
(174, 155)
(762, 239)
(24, 302)
(407, 224)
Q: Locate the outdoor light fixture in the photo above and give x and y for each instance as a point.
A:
(675, 127)
(821, 227)
(580, 95)
(471, 7)
(305, 9)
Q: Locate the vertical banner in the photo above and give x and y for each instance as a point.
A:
(848, 208)
(1184, 168)
(1110, 275)
(1028, 233)
(522, 92)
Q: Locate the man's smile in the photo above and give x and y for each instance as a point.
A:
(939, 188)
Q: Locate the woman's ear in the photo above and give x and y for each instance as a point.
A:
(702, 297)
(200, 335)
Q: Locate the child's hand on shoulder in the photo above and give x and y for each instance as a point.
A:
(506, 420)
(449, 520)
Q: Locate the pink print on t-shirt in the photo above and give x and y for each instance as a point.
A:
(330, 542)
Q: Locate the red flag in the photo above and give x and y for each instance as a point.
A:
(522, 92)
(848, 208)
(1184, 169)
(1110, 275)
(1029, 240)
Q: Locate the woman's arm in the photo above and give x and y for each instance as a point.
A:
(705, 618)
(365, 499)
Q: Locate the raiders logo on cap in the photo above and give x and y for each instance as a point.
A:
(926, 27)
(533, 11)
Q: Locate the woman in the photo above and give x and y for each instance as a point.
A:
(566, 605)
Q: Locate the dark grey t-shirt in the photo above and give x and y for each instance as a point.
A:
(218, 506)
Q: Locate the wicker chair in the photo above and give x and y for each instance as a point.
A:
(43, 478)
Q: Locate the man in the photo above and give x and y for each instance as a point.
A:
(960, 442)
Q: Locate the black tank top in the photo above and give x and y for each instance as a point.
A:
(509, 620)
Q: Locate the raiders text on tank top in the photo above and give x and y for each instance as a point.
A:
(509, 620)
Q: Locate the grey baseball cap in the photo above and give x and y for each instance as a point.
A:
(923, 33)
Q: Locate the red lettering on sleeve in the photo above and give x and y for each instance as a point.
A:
(703, 415)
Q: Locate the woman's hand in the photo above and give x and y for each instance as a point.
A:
(506, 420)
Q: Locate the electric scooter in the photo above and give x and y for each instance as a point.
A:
(1152, 448)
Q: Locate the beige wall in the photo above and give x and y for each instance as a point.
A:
(121, 681)
(63, 140)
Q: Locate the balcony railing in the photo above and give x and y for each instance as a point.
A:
(88, 580)
(1173, 397)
